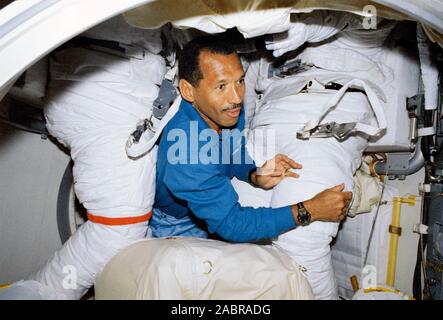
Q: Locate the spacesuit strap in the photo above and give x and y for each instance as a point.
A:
(360, 127)
(154, 127)
(164, 107)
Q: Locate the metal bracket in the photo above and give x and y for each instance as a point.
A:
(420, 228)
(413, 103)
(397, 164)
(414, 107)
(165, 99)
(395, 230)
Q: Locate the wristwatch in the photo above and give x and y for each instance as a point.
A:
(304, 217)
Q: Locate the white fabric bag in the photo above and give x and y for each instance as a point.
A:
(191, 268)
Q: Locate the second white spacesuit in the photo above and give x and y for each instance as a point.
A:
(291, 102)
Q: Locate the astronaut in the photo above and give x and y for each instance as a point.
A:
(122, 221)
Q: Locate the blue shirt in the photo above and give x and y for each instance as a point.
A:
(193, 179)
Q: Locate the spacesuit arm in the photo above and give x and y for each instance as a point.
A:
(313, 27)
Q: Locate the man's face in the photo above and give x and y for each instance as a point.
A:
(218, 96)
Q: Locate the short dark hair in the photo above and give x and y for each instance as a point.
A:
(188, 59)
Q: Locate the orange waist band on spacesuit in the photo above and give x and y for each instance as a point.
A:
(119, 221)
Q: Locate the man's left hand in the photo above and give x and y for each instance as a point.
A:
(275, 170)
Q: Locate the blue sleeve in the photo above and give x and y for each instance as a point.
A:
(211, 197)
(241, 171)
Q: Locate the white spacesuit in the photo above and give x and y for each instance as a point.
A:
(96, 98)
(345, 54)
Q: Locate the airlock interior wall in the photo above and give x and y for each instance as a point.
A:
(31, 171)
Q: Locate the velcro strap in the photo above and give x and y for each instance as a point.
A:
(428, 131)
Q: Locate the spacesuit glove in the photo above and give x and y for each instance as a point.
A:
(313, 27)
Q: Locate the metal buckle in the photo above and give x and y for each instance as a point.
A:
(332, 129)
(289, 68)
(146, 124)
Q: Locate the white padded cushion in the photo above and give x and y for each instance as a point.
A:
(191, 268)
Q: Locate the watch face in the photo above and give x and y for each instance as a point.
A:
(303, 219)
(308, 218)
(303, 216)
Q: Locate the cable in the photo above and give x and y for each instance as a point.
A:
(423, 244)
(373, 224)
(421, 258)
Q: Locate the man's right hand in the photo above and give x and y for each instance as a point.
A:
(329, 205)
